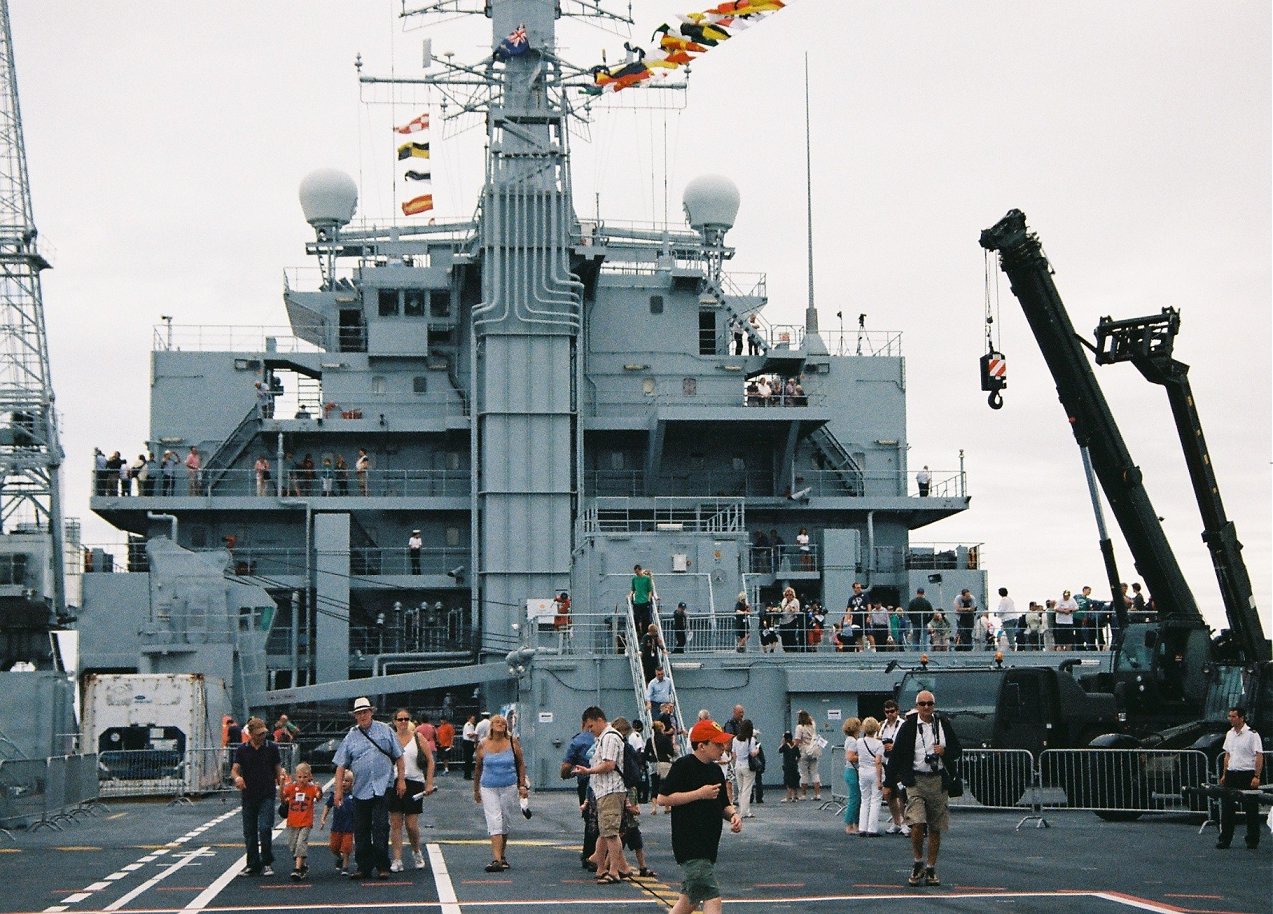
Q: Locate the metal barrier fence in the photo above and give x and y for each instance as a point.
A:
(49, 792)
(170, 773)
(1213, 803)
(1122, 783)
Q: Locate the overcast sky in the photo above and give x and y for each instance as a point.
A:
(166, 141)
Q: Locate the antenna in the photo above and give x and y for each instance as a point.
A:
(811, 312)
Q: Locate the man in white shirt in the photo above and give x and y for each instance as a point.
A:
(1063, 634)
(1240, 769)
(483, 727)
(888, 732)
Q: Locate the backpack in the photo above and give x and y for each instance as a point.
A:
(631, 770)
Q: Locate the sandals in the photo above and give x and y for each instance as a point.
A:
(607, 879)
(648, 873)
(494, 867)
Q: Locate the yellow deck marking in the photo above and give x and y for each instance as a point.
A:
(76, 847)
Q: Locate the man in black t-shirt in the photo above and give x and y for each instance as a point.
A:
(694, 792)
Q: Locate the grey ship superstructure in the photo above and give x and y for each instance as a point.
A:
(549, 400)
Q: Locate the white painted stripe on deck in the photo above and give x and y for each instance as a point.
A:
(442, 879)
(96, 886)
(78, 896)
(163, 874)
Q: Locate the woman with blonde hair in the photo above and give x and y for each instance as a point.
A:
(806, 738)
(499, 779)
(742, 621)
(789, 620)
(852, 727)
(870, 778)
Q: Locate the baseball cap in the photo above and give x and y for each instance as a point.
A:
(708, 731)
(681, 604)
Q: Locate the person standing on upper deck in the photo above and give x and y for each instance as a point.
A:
(923, 479)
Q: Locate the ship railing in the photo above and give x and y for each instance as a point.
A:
(944, 484)
(866, 343)
(295, 483)
(232, 338)
(665, 514)
(604, 633)
(1123, 781)
(930, 557)
(784, 559)
(174, 773)
(409, 631)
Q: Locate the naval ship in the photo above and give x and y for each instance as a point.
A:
(469, 423)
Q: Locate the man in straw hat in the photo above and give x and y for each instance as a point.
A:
(372, 752)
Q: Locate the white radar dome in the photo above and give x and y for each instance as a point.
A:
(328, 197)
(710, 201)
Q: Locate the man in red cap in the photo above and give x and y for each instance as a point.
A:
(694, 792)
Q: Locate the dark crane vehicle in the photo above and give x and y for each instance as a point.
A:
(1169, 683)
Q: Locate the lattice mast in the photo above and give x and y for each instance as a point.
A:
(30, 453)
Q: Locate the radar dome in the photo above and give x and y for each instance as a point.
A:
(328, 197)
(710, 201)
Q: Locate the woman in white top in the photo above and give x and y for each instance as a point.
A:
(744, 748)
(806, 556)
(806, 740)
(852, 727)
(417, 757)
(870, 777)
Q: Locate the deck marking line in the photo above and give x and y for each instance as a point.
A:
(55, 909)
(1144, 904)
(113, 876)
(78, 896)
(442, 880)
(96, 886)
(163, 874)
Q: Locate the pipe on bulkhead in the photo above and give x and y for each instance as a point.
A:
(870, 547)
(171, 518)
(382, 660)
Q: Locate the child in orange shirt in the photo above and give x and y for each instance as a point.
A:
(300, 794)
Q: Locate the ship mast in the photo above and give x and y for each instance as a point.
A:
(32, 583)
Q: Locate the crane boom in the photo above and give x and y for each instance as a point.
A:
(1021, 257)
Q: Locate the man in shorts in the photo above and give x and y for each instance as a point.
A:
(694, 793)
(605, 781)
(925, 746)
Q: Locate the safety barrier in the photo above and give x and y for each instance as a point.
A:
(172, 773)
(1213, 803)
(49, 792)
(1122, 783)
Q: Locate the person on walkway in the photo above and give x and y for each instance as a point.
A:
(301, 796)
(194, 467)
(744, 751)
(372, 752)
(578, 752)
(415, 543)
(1240, 769)
(446, 741)
(341, 841)
(418, 765)
(499, 780)
(608, 792)
(468, 744)
(853, 802)
(926, 745)
(888, 733)
(256, 772)
(642, 596)
(660, 750)
(870, 777)
(810, 754)
(694, 793)
(790, 753)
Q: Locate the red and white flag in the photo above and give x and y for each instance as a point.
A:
(415, 125)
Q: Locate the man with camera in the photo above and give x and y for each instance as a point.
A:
(923, 750)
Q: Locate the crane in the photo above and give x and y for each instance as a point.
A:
(32, 566)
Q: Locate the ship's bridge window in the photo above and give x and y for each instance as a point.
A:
(440, 303)
(420, 384)
(388, 299)
(453, 536)
(656, 304)
(616, 460)
(413, 302)
(378, 385)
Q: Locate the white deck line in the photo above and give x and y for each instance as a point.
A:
(442, 880)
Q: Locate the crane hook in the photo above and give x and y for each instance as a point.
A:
(995, 400)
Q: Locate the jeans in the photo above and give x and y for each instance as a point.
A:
(853, 802)
(371, 834)
(258, 826)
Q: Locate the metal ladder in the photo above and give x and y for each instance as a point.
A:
(840, 460)
(231, 449)
(633, 651)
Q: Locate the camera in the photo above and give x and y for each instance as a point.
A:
(933, 760)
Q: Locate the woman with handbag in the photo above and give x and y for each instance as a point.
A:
(499, 778)
(810, 746)
(744, 752)
(417, 755)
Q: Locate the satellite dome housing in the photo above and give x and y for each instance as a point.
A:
(711, 205)
(328, 199)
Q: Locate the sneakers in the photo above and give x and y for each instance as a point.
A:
(395, 867)
(930, 876)
(917, 873)
(418, 859)
(904, 829)
(893, 830)
(267, 870)
(249, 871)
(297, 875)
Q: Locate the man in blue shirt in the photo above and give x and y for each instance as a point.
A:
(372, 752)
(577, 753)
(658, 691)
